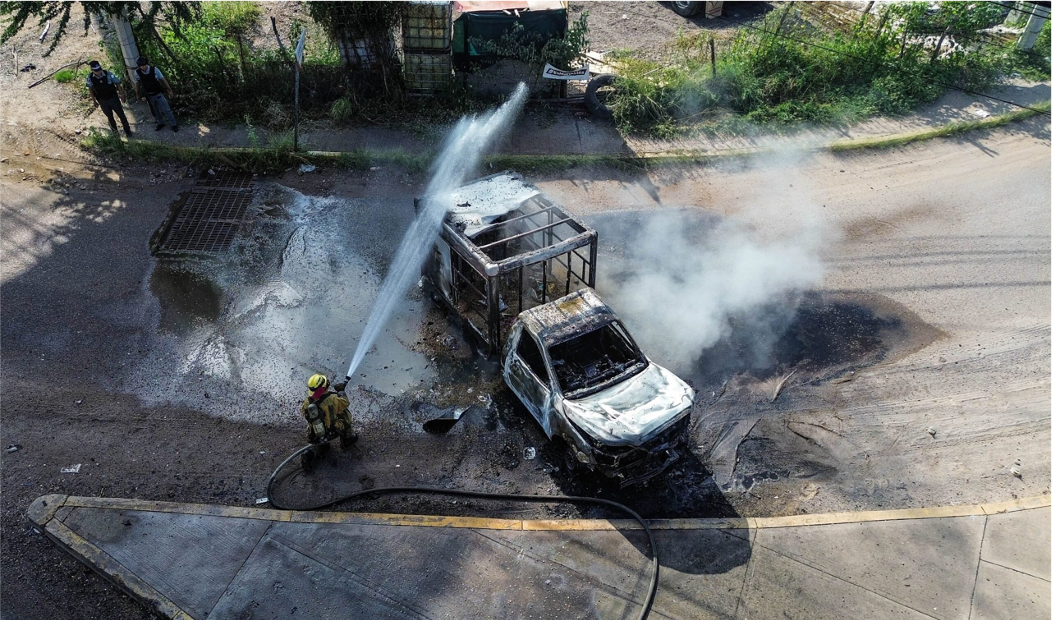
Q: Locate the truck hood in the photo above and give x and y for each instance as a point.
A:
(632, 411)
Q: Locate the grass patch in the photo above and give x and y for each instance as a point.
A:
(949, 129)
(786, 68)
(1036, 64)
(278, 156)
(67, 75)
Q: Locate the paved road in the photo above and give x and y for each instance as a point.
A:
(949, 238)
(948, 245)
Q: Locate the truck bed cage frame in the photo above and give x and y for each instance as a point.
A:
(501, 260)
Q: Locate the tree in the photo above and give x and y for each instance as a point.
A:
(20, 12)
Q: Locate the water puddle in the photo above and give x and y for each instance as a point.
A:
(238, 334)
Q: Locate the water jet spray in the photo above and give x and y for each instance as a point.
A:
(459, 157)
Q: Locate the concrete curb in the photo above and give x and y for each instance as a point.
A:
(651, 158)
(45, 508)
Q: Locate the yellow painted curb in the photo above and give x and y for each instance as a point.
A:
(42, 516)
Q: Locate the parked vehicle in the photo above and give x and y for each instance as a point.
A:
(517, 270)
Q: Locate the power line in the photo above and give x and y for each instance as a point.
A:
(838, 52)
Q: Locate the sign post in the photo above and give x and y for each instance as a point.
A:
(552, 73)
(296, 101)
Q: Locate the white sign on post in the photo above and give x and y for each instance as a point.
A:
(552, 73)
(299, 48)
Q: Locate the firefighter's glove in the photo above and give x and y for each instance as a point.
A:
(339, 387)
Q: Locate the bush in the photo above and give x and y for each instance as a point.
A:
(342, 111)
(785, 70)
(65, 75)
(217, 76)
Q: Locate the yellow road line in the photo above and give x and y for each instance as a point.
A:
(42, 516)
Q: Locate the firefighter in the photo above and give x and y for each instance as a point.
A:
(327, 413)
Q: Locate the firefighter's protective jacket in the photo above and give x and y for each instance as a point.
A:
(335, 412)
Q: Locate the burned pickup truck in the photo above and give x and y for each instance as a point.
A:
(518, 270)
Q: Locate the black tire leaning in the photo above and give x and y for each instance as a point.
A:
(591, 95)
(686, 9)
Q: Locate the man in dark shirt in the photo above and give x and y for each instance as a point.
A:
(104, 90)
(150, 83)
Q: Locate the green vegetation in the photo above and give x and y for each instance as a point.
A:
(218, 76)
(277, 156)
(784, 69)
(531, 48)
(17, 13)
(1034, 64)
(67, 75)
(949, 129)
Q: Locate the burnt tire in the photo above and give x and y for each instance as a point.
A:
(686, 9)
(596, 107)
(573, 466)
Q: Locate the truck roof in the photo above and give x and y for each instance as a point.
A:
(559, 320)
(477, 204)
(502, 222)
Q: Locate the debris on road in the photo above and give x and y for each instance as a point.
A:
(13, 448)
(781, 385)
(931, 431)
(529, 453)
(72, 469)
(307, 168)
(262, 500)
(1017, 472)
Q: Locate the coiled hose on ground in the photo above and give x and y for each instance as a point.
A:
(651, 590)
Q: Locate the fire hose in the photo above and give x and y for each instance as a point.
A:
(409, 490)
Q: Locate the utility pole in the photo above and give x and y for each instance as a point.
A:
(296, 101)
(1033, 25)
(129, 49)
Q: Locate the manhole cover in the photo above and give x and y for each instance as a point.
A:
(209, 219)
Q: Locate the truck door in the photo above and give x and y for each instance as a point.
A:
(527, 375)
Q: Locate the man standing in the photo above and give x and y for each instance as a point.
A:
(103, 88)
(149, 83)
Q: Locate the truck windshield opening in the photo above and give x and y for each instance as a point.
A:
(594, 360)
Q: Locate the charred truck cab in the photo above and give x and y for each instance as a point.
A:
(517, 269)
(578, 371)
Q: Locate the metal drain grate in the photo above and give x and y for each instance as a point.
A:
(225, 179)
(210, 218)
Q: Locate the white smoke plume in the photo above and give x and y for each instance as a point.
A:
(689, 278)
